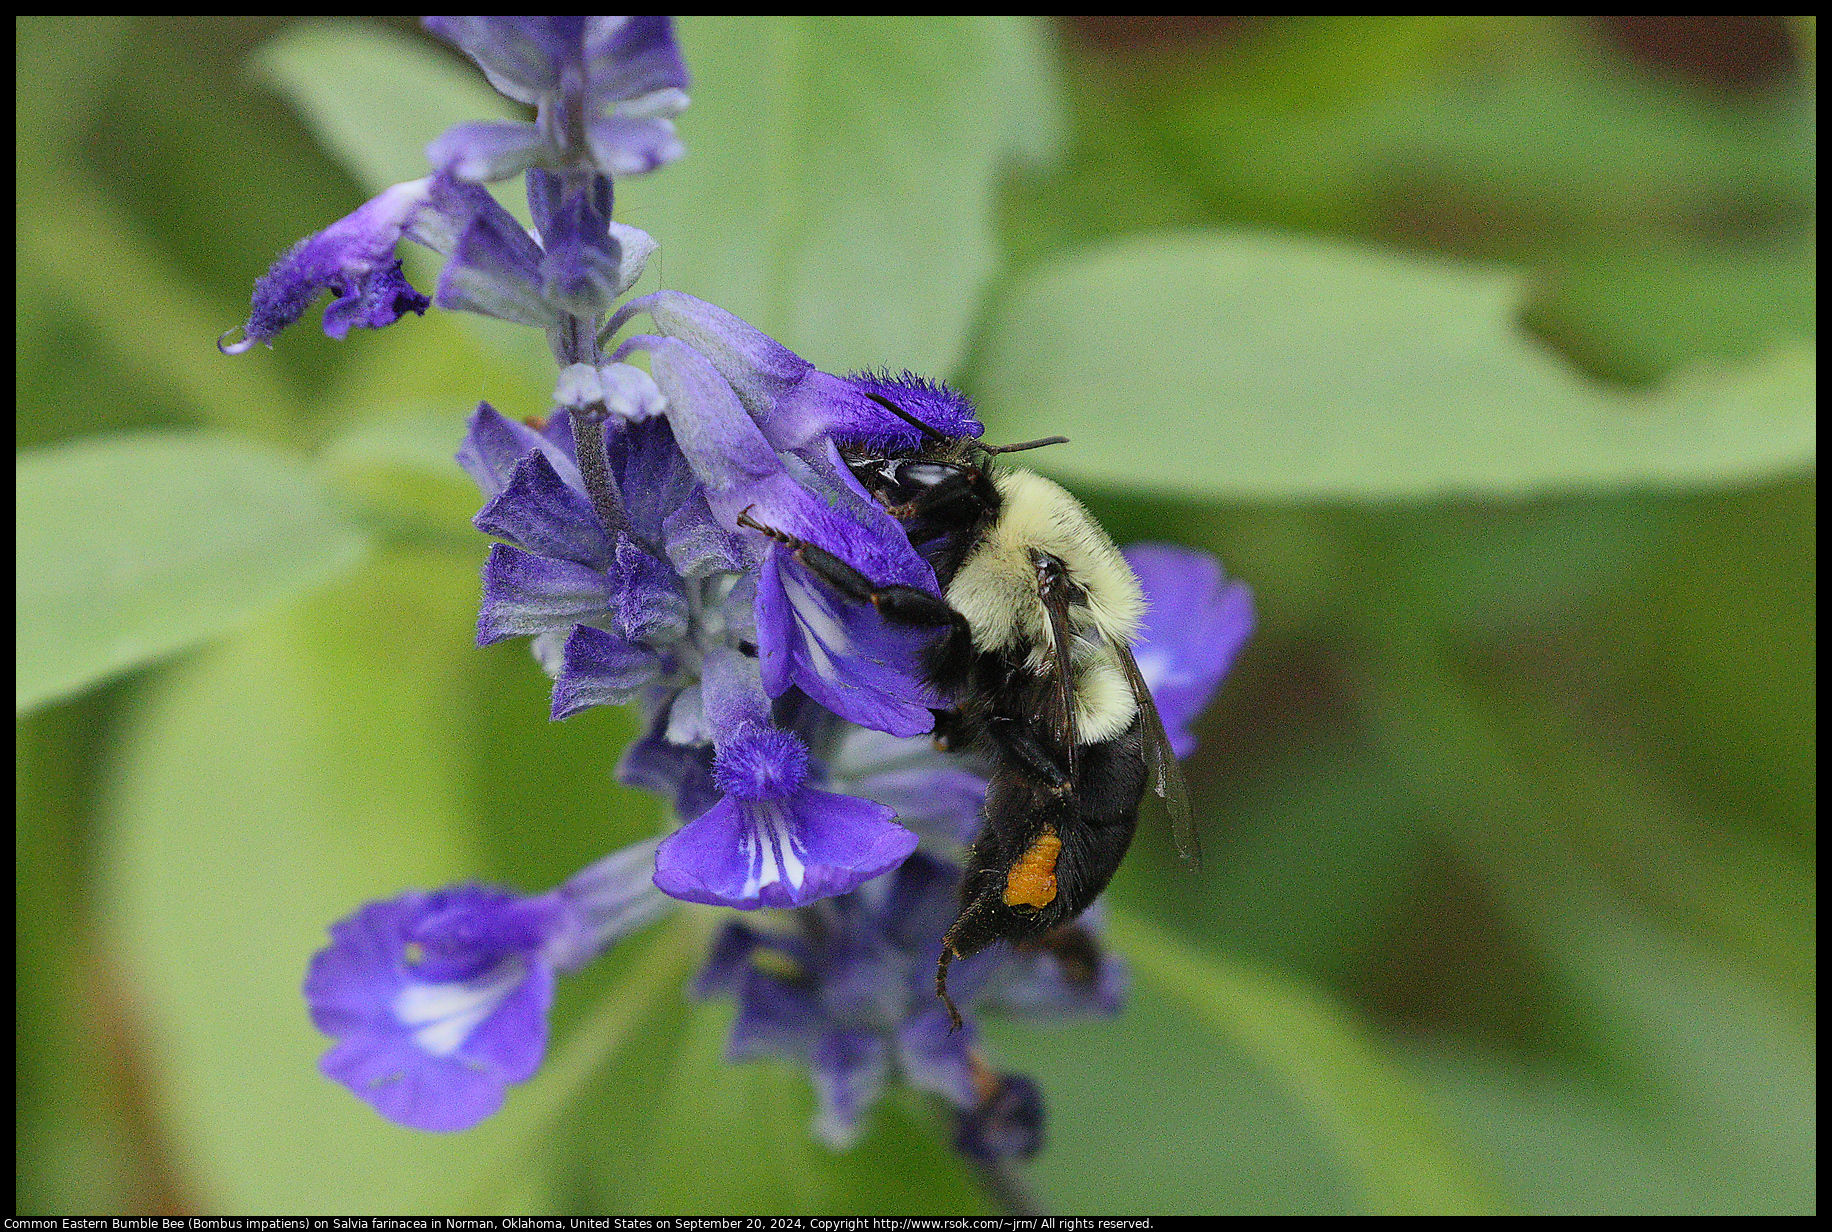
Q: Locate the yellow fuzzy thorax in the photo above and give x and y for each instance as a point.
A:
(996, 590)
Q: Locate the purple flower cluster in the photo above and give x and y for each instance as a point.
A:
(788, 726)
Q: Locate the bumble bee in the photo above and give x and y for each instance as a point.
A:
(1033, 647)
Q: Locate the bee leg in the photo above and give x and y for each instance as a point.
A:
(1023, 747)
(904, 605)
(941, 987)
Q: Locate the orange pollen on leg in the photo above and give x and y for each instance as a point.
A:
(1032, 879)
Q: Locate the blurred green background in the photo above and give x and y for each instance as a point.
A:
(1481, 348)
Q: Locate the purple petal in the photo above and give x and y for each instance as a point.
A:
(437, 1094)
(631, 145)
(727, 453)
(495, 269)
(354, 259)
(848, 1068)
(629, 57)
(866, 423)
(750, 854)
(936, 1060)
(582, 265)
(521, 56)
(524, 594)
(494, 445)
(646, 596)
(1195, 623)
(480, 151)
(437, 1000)
(540, 511)
(755, 365)
(601, 669)
(842, 654)
(776, 1018)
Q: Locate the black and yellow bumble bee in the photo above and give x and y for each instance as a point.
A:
(1033, 647)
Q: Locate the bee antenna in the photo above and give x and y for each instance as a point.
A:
(1048, 440)
(908, 418)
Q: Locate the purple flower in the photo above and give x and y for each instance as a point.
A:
(771, 840)
(438, 1001)
(841, 654)
(352, 258)
(494, 268)
(851, 995)
(604, 88)
(604, 91)
(1196, 621)
(655, 531)
(796, 406)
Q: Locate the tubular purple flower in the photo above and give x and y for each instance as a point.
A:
(851, 997)
(794, 403)
(438, 1001)
(494, 267)
(841, 654)
(583, 267)
(771, 840)
(604, 90)
(352, 258)
(1196, 621)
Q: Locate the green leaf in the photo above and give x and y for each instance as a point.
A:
(375, 98)
(135, 547)
(838, 187)
(1384, 1130)
(1712, 1111)
(1258, 367)
(271, 784)
(400, 458)
(714, 1134)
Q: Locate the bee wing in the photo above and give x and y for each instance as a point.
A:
(1162, 774)
(1059, 718)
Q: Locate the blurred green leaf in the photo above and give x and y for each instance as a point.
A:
(1640, 309)
(73, 51)
(1261, 367)
(1155, 1110)
(727, 1136)
(376, 98)
(320, 759)
(75, 1153)
(168, 341)
(1708, 1110)
(1388, 1136)
(134, 547)
(400, 458)
(1560, 1146)
(811, 205)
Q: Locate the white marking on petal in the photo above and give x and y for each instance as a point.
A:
(769, 849)
(444, 1015)
(812, 611)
